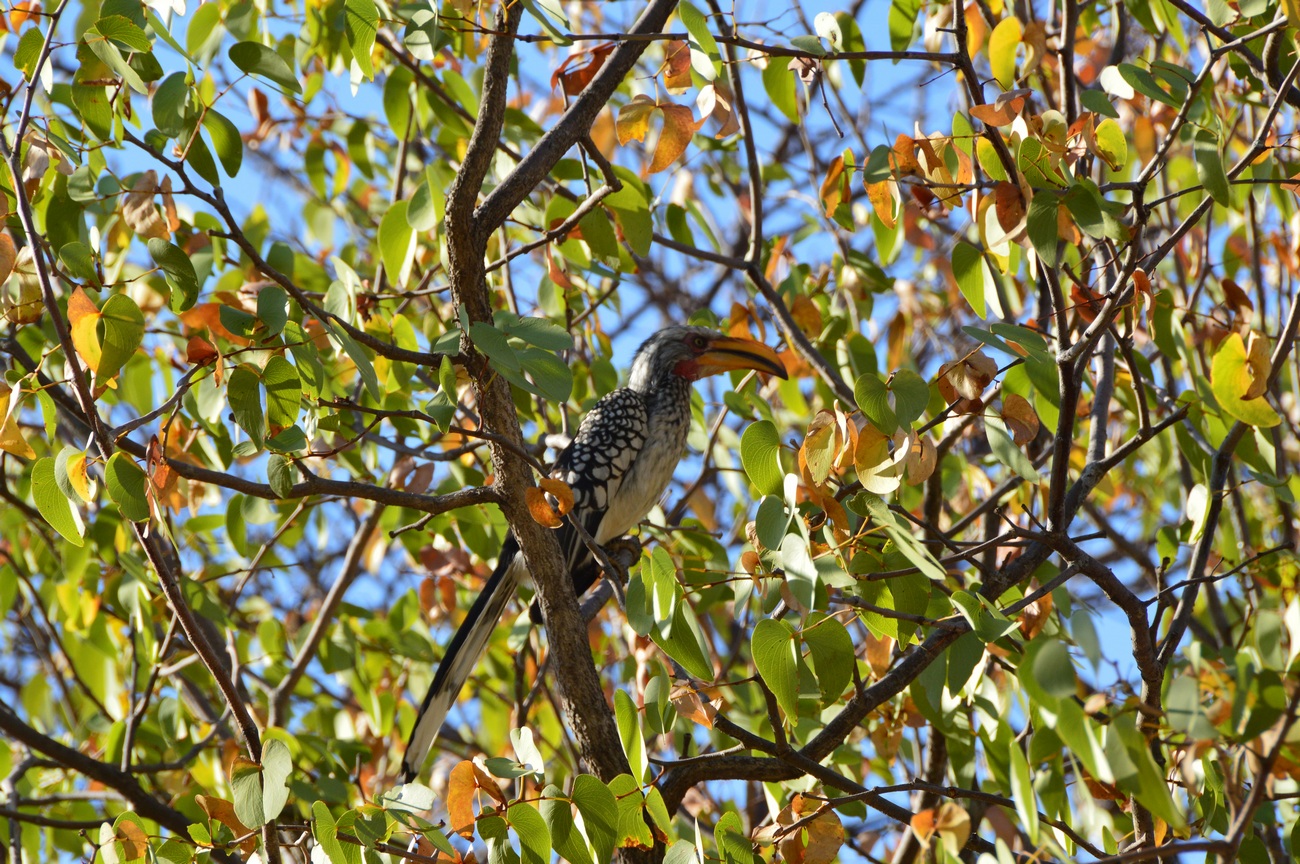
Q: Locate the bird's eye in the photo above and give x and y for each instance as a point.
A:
(700, 342)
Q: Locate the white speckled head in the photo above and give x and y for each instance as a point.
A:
(692, 353)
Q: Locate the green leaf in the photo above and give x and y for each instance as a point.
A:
(396, 244)
(225, 140)
(600, 814)
(629, 732)
(205, 30)
(704, 48)
(492, 342)
(254, 58)
(912, 549)
(279, 475)
(1209, 166)
(92, 104)
(123, 31)
(911, 396)
(277, 767)
(78, 260)
(1143, 82)
(109, 52)
(362, 360)
(1111, 144)
(833, 656)
(362, 23)
(872, 397)
(283, 392)
(1231, 378)
(273, 309)
(968, 268)
(53, 505)
(246, 784)
(553, 378)
(683, 641)
(778, 81)
(541, 332)
(170, 104)
(775, 648)
(534, 837)
(243, 391)
(903, 16)
(1042, 228)
(760, 454)
(632, 826)
(566, 837)
(1022, 790)
(28, 52)
(126, 486)
(179, 272)
(123, 324)
(1007, 451)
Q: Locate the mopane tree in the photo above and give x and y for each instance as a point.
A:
(301, 299)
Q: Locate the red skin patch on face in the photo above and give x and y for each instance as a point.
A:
(688, 369)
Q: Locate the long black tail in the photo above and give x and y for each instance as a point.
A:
(462, 655)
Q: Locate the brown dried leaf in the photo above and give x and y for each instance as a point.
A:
(922, 458)
(807, 68)
(715, 103)
(1020, 418)
(677, 67)
(1258, 361)
(139, 211)
(1009, 204)
(1236, 298)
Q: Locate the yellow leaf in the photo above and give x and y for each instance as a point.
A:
(79, 477)
(1002, 51)
(11, 437)
(634, 119)
(83, 317)
(1111, 144)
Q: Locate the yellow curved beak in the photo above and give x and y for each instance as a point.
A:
(728, 352)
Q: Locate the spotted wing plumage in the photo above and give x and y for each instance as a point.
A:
(594, 465)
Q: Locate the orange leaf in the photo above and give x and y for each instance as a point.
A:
(884, 199)
(200, 352)
(573, 80)
(135, 843)
(224, 812)
(834, 189)
(680, 127)
(540, 509)
(558, 490)
(460, 799)
(903, 157)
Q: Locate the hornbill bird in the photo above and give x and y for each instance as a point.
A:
(618, 465)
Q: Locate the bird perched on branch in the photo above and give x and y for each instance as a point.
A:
(618, 466)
